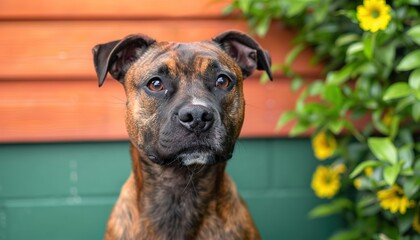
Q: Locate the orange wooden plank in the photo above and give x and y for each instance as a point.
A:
(79, 110)
(62, 49)
(60, 110)
(264, 105)
(12, 9)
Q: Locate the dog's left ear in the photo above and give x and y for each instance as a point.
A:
(245, 51)
(116, 57)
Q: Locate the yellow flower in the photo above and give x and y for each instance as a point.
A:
(368, 171)
(387, 117)
(394, 199)
(323, 145)
(416, 222)
(373, 15)
(357, 183)
(325, 182)
(340, 168)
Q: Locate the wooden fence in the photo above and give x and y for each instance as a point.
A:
(48, 89)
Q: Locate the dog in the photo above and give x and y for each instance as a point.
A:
(184, 112)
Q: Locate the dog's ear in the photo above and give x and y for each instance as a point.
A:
(116, 57)
(245, 51)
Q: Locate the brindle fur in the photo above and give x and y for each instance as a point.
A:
(164, 197)
(184, 206)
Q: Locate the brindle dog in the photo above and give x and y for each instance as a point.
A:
(185, 108)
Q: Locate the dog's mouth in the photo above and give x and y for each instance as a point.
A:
(196, 154)
(176, 145)
(200, 154)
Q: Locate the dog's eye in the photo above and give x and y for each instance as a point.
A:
(253, 55)
(222, 82)
(155, 85)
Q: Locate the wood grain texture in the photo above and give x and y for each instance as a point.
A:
(79, 110)
(24, 9)
(62, 49)
(48, 87)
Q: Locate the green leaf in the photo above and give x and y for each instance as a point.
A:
(414, 2)
(383, 149)
(378, 123)
(414, 79)
(264, 78)
(386, 54)
(359, 168)
(404, 103)
(346, 39)
(262, 26)
(331, 208)
(417, 94)
(340, 76)
(333, 94)
(397, 90)
(298, 129)
(348, 234)
(411, 186)
(395, 124)
(405, 221)
(297, 82)
(244, 5)
(291, 56)
(354, 49)
(391, 174)
(284, 119)
(337, 125)
(228, 9)
(417, 164)
(369, 46)
(322, 10)
(300, 104)
(295, 8)
(274, 68)
(406, 155)
(414, 34)
(316, 88)
(415, 111)
(407, 172)
(365, 68)
(410, 61)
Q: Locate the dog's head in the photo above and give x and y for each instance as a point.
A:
(185, 103)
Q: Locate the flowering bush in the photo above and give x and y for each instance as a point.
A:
(370, 51)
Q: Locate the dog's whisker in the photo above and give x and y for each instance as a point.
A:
(189, 180)
(170, 163)
(120, 100)
(193, 185)
(202, 167)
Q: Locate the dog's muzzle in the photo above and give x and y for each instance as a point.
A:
(193, 135)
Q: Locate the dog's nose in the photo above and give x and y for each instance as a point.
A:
(196, 118)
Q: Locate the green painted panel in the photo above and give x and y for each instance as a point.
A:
(39, 170)
(284, 215)
(250, 165)
(66, 190)
(293, 163)
(272, 163)
(56, 219)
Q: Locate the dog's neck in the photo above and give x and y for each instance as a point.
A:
(175, 199)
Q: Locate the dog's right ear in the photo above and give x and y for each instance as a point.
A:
(116, 57)
(247, 52)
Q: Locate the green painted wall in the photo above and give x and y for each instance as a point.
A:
(66, 190)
